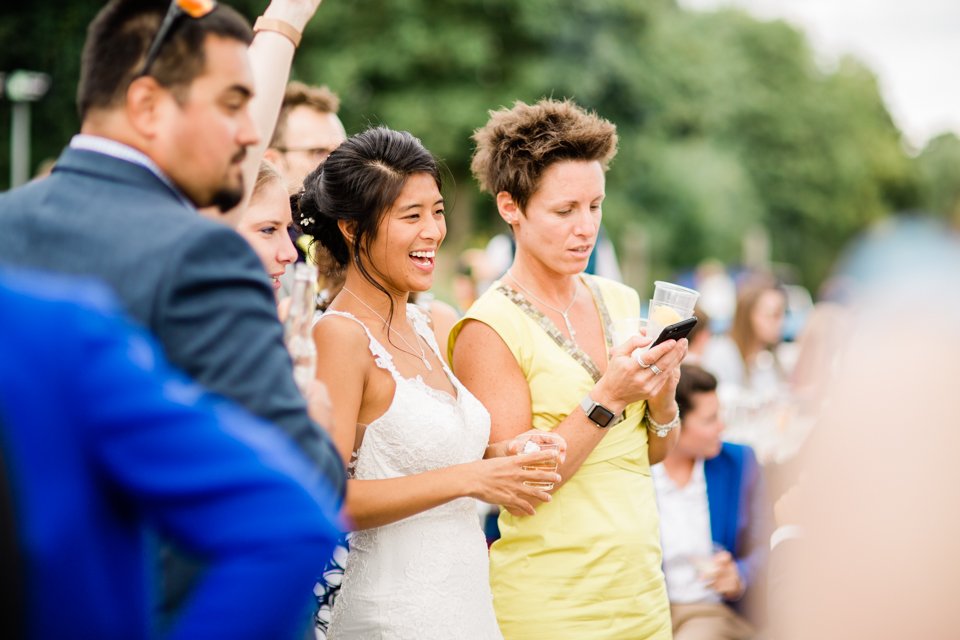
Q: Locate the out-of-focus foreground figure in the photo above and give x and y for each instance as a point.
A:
(878, 556)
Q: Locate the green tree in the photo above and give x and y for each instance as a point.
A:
(939, 168)
(726, 122)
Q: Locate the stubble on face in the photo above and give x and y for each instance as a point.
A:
(213, 128)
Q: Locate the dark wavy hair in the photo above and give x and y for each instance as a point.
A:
(693, 380)
(359, 182)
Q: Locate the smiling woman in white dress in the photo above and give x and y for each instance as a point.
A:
(416, 439)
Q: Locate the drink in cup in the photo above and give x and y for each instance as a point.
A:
(671, 303)
(542, 441)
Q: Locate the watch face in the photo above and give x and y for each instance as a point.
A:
(601, 415)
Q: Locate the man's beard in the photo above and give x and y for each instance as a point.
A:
(226, 198)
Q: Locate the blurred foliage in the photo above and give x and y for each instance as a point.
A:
(726, 122)
(939, 170)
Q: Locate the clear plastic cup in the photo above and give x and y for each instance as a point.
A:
(675, 295)
(670, 303)
(540, 441)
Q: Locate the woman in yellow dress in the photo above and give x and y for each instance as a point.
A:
(537, 350)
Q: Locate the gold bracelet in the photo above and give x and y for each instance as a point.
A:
(279, 26)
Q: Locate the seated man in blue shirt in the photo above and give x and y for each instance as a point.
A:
(714, 519)
(99, 440)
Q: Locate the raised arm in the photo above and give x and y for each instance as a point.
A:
(271, 57)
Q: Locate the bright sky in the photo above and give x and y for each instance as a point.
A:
(913, 47)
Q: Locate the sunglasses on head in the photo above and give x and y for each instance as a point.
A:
(191, 8)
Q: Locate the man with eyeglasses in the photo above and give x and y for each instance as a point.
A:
(308, 130)
(165, 98)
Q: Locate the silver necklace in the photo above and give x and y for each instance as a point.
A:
(563, 312)
(423, 354)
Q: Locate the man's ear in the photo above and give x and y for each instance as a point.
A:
(143, 106)
(508, 208)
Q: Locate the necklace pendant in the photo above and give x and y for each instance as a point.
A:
(427, 364)
(566, 321)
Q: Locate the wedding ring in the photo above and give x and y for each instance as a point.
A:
(641, 362)
(656, 370)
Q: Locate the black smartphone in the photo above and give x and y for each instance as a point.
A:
(676, 331)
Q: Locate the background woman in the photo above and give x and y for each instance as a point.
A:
(266, 221)
(418, 563)
(746, 360)
(537, 350)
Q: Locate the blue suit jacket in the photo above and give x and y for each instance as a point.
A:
(100, 438)
(740, 518)
(194, 283)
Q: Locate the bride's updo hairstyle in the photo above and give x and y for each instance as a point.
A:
(359, 182)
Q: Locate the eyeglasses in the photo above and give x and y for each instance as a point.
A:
(192, 8)
(318, 153)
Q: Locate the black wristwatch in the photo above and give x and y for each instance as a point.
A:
(599, 414)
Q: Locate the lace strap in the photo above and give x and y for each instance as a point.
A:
(381, 357)
(421, 324)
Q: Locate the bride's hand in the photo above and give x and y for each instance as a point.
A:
(515, 445)
(504, 481)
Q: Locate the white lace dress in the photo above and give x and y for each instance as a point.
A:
(426, 576)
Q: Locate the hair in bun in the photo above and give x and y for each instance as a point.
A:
(358, 183)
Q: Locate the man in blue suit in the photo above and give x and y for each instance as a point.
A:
(160, 138)
(714, 519)
(162, 134)
(100, 438)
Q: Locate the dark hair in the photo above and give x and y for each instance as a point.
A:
(359, 182)
(693, 380)
(117, 42)
(297, 94)
(518, 144)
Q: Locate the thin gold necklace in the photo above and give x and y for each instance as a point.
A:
(563, 312)
(423, 354)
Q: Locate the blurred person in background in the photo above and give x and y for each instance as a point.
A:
(877, 511)
(101, 440)
(536, 348)
(715, 521)
(699, 338)
(167, 127)
(416, 439)
(307, 131)
(746, 359)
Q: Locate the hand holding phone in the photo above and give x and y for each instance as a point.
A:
(675, 331)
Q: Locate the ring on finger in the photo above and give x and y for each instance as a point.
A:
(656, 370)
(642, 363)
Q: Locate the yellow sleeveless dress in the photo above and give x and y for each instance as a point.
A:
(587, 565)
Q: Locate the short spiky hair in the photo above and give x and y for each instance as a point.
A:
(517, 145)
